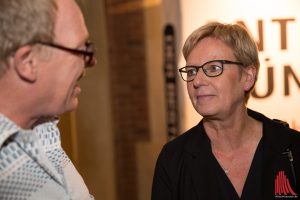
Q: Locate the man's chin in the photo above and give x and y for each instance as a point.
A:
(70, 107)
(73, 106)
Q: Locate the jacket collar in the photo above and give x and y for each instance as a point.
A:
(198, 146)
(30, 142)
(274, 136)
(197, 140)
(7, 129)
(274, 133)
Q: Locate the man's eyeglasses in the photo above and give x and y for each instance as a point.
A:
(88, 53)
(211, 68)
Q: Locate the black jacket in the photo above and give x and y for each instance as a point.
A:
(183, 170)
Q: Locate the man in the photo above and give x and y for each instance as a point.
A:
(43, 54)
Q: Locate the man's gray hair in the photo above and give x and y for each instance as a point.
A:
(24, 22)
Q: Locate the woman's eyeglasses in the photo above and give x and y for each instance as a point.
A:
(211, 68)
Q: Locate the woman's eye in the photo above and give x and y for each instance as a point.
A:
(191, 72)
(213, 68)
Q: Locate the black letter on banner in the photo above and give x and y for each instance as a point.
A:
(283, 31)
(260, 28)
(287, 73)
(270, 85)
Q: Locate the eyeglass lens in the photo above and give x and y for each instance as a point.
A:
(89, 58)
(210, 69)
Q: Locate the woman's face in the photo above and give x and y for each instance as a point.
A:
(222, 95)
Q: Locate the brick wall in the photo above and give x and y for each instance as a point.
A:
(127, 64)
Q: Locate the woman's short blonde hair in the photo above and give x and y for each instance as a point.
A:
(234, 36)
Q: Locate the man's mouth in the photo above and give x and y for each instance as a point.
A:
(81, 76)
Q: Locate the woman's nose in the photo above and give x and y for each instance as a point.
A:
(200, 79)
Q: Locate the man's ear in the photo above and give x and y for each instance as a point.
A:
(25, 64)
(250, 73)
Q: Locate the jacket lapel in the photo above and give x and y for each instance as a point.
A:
(275, 142)
(202, 172)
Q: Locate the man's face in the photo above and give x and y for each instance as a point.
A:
(60, 73)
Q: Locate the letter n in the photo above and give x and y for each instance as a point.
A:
(288, 72)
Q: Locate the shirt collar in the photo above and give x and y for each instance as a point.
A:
(7, 129)
(30, 143)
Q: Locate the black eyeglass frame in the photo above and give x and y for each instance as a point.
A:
(183, 69)
(88, 56)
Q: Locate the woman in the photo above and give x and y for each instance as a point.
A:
(233, 153)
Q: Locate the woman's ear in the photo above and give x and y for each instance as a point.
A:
(24, 63)
(250, 73)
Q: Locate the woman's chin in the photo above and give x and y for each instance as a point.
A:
(206, 112)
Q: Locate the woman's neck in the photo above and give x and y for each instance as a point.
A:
(233, 132)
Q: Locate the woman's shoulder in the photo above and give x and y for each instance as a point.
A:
(284, 128)
(277, 132)
(188, 143)
(276, 125)
(184, 138)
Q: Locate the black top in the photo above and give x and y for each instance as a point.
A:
(252, 187)
(185, 170)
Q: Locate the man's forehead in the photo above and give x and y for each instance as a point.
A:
(69, 22)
